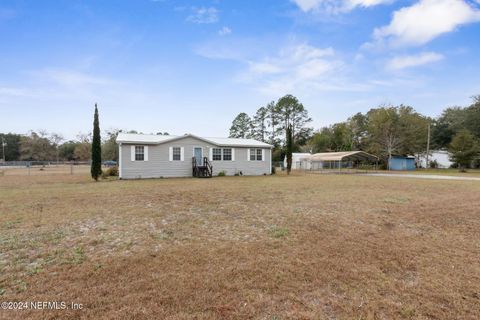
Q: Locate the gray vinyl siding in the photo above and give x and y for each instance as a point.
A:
(158, 164)
(241, 163)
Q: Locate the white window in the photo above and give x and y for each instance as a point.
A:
(256, 154)
(227, 154)
(259, 155)
(139, 153)
(252, 154)
(176, 154)
(216, 154)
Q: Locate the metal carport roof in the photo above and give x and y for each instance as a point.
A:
(342, 156)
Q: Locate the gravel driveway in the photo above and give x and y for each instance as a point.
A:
(423, 176)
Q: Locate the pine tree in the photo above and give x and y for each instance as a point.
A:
(259, 124)
(96, 168)
(289, 148)
(241, 126)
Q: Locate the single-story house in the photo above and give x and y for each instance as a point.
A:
(402, 163)
(155, 156)
(299, 161)
(442, 157)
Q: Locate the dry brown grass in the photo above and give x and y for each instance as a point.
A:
(298, 247)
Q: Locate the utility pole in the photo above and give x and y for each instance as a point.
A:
(428, 148)
(4, 144)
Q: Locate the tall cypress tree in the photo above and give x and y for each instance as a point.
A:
(96, 169)
(289, 137)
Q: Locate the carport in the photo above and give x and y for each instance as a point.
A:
(339, 161)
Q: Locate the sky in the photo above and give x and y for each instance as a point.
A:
(192, 66)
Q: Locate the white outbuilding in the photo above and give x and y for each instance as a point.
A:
(300, 161)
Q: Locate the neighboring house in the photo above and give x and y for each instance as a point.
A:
(299, 161)
(155, 156)
(401, 163)
(440, 156)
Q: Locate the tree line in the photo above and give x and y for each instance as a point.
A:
(384, 131)
(44, 146)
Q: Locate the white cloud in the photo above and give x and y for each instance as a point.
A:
(336, 6)
(203, 15)
(224, 31)
(426, 20)
(295, 67)
(264, 68)
(408, 61)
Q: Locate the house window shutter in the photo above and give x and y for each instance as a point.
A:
(233, 154)
(182, 154)
(145, 153)
(170, 154)
(263, 154)
(210, 154)
(248, 154)
(132, 153)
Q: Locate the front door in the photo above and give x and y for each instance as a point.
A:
(198, 154)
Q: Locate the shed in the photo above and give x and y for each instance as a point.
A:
(299, 161)
(441, 157)
(401, 163)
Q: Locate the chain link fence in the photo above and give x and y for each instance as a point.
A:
(45, 168)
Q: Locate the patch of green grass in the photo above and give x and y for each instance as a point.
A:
(19, 285)
(408, 312)
(399, 200)
(34, 270)
(78, 255)
(12, 224)
(279, 232)
(163, 235)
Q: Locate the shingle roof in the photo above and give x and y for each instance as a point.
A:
(158, 139)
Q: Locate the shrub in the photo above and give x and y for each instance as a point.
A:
(222, 174)
(434, 164)
(104, 174)
(110, 172)
(273, 170)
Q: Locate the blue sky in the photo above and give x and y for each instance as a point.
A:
(191, 66)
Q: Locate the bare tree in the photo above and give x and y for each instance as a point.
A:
(56, 139)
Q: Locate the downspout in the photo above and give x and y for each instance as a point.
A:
(120, 166)
(271, 161)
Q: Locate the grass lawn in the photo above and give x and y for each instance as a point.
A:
(298, 247)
